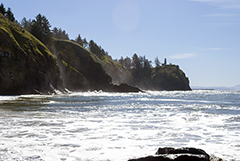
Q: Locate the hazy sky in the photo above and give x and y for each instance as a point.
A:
(201, 36)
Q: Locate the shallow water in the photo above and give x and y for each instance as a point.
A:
(118, 126)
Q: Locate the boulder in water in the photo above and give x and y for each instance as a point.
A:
(190, 154)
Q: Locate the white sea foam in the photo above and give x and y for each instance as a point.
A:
(103, 126)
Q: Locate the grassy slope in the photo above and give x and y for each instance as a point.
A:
(112, 68)
(23, 57)
(73, 79)
(20, 38)
(83, 61)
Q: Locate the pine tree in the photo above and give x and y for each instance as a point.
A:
(41, 30)
(2, 9)
(121, 61)
(26, 24)
(127, 63)
(10, 15)
(135, 61)
(60, 34)
(79, 40)
(157, 62)
(85, 43)
(7, 13)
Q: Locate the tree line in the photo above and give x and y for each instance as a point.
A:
(140, 68)
(139, 61)
(7, 13)
(40, 27)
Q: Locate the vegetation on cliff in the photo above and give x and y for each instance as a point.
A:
(7, 13)
(161, 77)
(169, 77)
(26, 65)
(36, 59)
(76, 59)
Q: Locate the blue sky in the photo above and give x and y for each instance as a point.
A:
(201, 36)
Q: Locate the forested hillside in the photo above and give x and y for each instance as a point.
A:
(39, 59)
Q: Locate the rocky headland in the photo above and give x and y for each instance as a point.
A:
(27, 66)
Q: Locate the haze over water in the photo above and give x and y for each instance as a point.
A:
(118, 126)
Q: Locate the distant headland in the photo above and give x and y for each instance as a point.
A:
(36, 59)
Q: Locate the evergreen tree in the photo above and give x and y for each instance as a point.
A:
(2, 9)
(10, 15)
(102, 51)
(41, 30)
(85, 43)
(121, 61)
(79, 40)
(55, 32)
(136, 70)
(7, 13)
(135, 61)
(95, 49)
(157, 62)
(60, 34)
(36, 30)
(92, 47)
(127, 63)
(26, 24)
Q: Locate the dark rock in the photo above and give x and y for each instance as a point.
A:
(169, 77)
(161, 158)
(189, 158)
(123, 88)
(152, 158)
(190, 154)
(168, 150)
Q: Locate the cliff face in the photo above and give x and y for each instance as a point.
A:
(118, 73)
(76, 59)
(26, 65)
(169, 77)
(83, 71)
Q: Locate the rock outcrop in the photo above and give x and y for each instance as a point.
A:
(123, 88)
(180, 154)
(169, 77)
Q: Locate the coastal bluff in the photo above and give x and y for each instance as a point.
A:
(27, 66)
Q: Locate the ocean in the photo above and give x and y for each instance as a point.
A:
(99, 126)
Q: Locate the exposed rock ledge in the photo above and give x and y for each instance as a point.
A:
(122, 88)
(179, 154)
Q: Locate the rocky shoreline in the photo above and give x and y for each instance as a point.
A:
(28, 66)
(179, 154)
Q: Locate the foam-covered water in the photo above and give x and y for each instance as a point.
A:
(116, 127)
